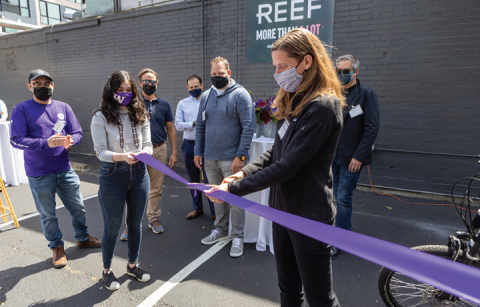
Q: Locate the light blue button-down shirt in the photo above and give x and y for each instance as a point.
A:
(187, 111)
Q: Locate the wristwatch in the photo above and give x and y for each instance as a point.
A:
(194, 124)
(241, 157)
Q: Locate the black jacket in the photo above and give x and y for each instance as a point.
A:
(359, 133)
(298, 167)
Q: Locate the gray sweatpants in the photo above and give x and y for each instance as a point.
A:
(216, 171)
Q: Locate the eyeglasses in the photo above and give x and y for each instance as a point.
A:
(152, 82)
(40, 84)
(344, 72)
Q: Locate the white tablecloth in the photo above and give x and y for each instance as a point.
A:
(258, 229)
(12, 168)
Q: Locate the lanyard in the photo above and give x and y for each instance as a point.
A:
(134, 132)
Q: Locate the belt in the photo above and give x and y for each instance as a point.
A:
(191, 141)
(159, 144)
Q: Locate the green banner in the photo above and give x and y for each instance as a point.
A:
(268, 20)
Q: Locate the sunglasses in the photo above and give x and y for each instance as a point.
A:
(152, 82)
(344, 72)
(40, 84)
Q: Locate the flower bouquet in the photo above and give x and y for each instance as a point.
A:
(266, 121)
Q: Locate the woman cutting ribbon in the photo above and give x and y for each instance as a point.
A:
(298, 167)
(120, 131)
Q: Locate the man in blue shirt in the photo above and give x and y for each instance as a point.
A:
(185, 120)
(225, 126)
(161, 125)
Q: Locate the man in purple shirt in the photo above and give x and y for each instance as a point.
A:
(45, 129)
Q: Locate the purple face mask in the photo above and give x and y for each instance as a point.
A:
(124, 98)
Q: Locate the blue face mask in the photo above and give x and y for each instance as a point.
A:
(346, 78)
(196, 92)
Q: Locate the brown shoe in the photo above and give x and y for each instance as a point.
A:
(194, 213)
(90, 242)
(59, 259)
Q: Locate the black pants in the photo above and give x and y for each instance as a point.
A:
(303, 261)
(194, 175)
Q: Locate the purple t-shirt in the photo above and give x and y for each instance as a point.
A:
(32, 124)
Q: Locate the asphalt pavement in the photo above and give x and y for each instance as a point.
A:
(28, 279)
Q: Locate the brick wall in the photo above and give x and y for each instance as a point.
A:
(421, 57)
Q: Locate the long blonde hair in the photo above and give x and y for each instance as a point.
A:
(320, 79)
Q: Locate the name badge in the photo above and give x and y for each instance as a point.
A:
(59, 125)
(357, 110)
(283, 129)
(203, 115)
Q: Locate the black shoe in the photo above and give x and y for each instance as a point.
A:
(138, 273)
(336, 252)
(110, 282)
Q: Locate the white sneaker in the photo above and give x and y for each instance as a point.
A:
(109, 281)
(214, 237)
(237, 248)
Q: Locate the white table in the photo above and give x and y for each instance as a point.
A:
(258, 229)
(12, 168)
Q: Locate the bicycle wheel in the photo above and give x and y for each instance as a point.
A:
(398, 290)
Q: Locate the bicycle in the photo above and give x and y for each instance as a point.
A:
(398, 290)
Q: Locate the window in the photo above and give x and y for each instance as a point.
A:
(77, 1)
(19, 7)
(8, 30)
(49, 13)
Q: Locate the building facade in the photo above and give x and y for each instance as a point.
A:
(19, 15)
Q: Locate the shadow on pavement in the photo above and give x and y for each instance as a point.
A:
(88, 297)
(74, 253)
(12, 276)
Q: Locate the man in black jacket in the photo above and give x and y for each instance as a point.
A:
(361, 121)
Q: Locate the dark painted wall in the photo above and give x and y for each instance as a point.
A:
(421, 57)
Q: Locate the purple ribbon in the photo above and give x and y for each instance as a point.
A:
(452, 277)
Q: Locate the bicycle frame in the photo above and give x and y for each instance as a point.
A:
(462, 240)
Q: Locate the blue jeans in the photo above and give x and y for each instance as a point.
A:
(194, 175)
(122, 183)
(67, 185)
(344, 183)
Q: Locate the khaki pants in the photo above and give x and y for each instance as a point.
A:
(156, 184)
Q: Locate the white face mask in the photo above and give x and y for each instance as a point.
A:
(289, 79)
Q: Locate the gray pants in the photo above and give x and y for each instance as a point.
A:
(216, 171)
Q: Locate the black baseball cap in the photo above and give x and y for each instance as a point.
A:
(34, 74)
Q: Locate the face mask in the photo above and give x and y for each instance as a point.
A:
(196, 92)
(43, 93)
(289, 80)
(346, 78)
(149, 89)
(124, 98)
(219, 82)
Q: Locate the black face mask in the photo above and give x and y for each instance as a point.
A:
(219, 82)
(149, 89)
(43, 93)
